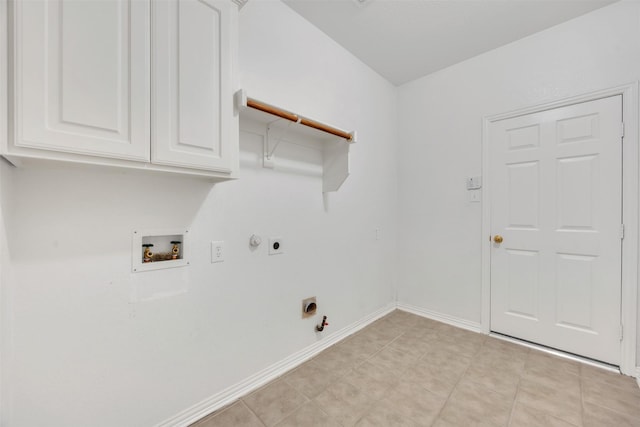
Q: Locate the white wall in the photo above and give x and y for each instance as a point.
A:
(91, 342)
(440, 120)
(86, 339)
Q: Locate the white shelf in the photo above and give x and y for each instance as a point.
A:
(335, 148)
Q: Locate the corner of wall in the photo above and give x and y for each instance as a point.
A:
(3, 136)
(5, 332)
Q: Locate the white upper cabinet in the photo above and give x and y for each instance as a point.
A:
(133, 83)
(192, 45)
(82, 77)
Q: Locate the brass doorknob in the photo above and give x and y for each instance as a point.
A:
(497, 238)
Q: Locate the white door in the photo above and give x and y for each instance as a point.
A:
(193, 120)
(556, 202)
(82, 76)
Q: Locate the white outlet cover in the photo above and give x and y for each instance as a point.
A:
(217, 251)
(273, 242)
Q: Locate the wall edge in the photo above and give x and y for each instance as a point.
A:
(441, 317)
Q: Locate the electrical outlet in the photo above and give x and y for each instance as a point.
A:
(217, 251)
(275, 246)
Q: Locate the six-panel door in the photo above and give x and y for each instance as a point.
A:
(556, 200)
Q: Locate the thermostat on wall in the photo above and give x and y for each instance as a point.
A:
(474, 182)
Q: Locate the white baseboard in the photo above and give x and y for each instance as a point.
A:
(444, 318)
(233, 393)
(638, 375)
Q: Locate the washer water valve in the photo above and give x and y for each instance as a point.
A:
(147, 255)
(175, 250)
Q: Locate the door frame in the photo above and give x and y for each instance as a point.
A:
(630, 212)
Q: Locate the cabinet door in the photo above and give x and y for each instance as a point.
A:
(194, 47)
(82, 76)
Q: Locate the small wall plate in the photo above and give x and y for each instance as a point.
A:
(275, 246)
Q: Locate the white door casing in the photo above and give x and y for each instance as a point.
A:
(556, 199)
(82, 77)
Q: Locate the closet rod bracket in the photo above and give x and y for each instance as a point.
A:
(275, 135)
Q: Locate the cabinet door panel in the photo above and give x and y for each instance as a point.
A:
(193, 121)
(82, 77)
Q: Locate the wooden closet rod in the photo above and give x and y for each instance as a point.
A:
(298, 119)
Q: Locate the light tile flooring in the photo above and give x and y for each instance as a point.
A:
(405, 370)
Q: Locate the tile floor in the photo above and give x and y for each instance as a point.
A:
(405, 370)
